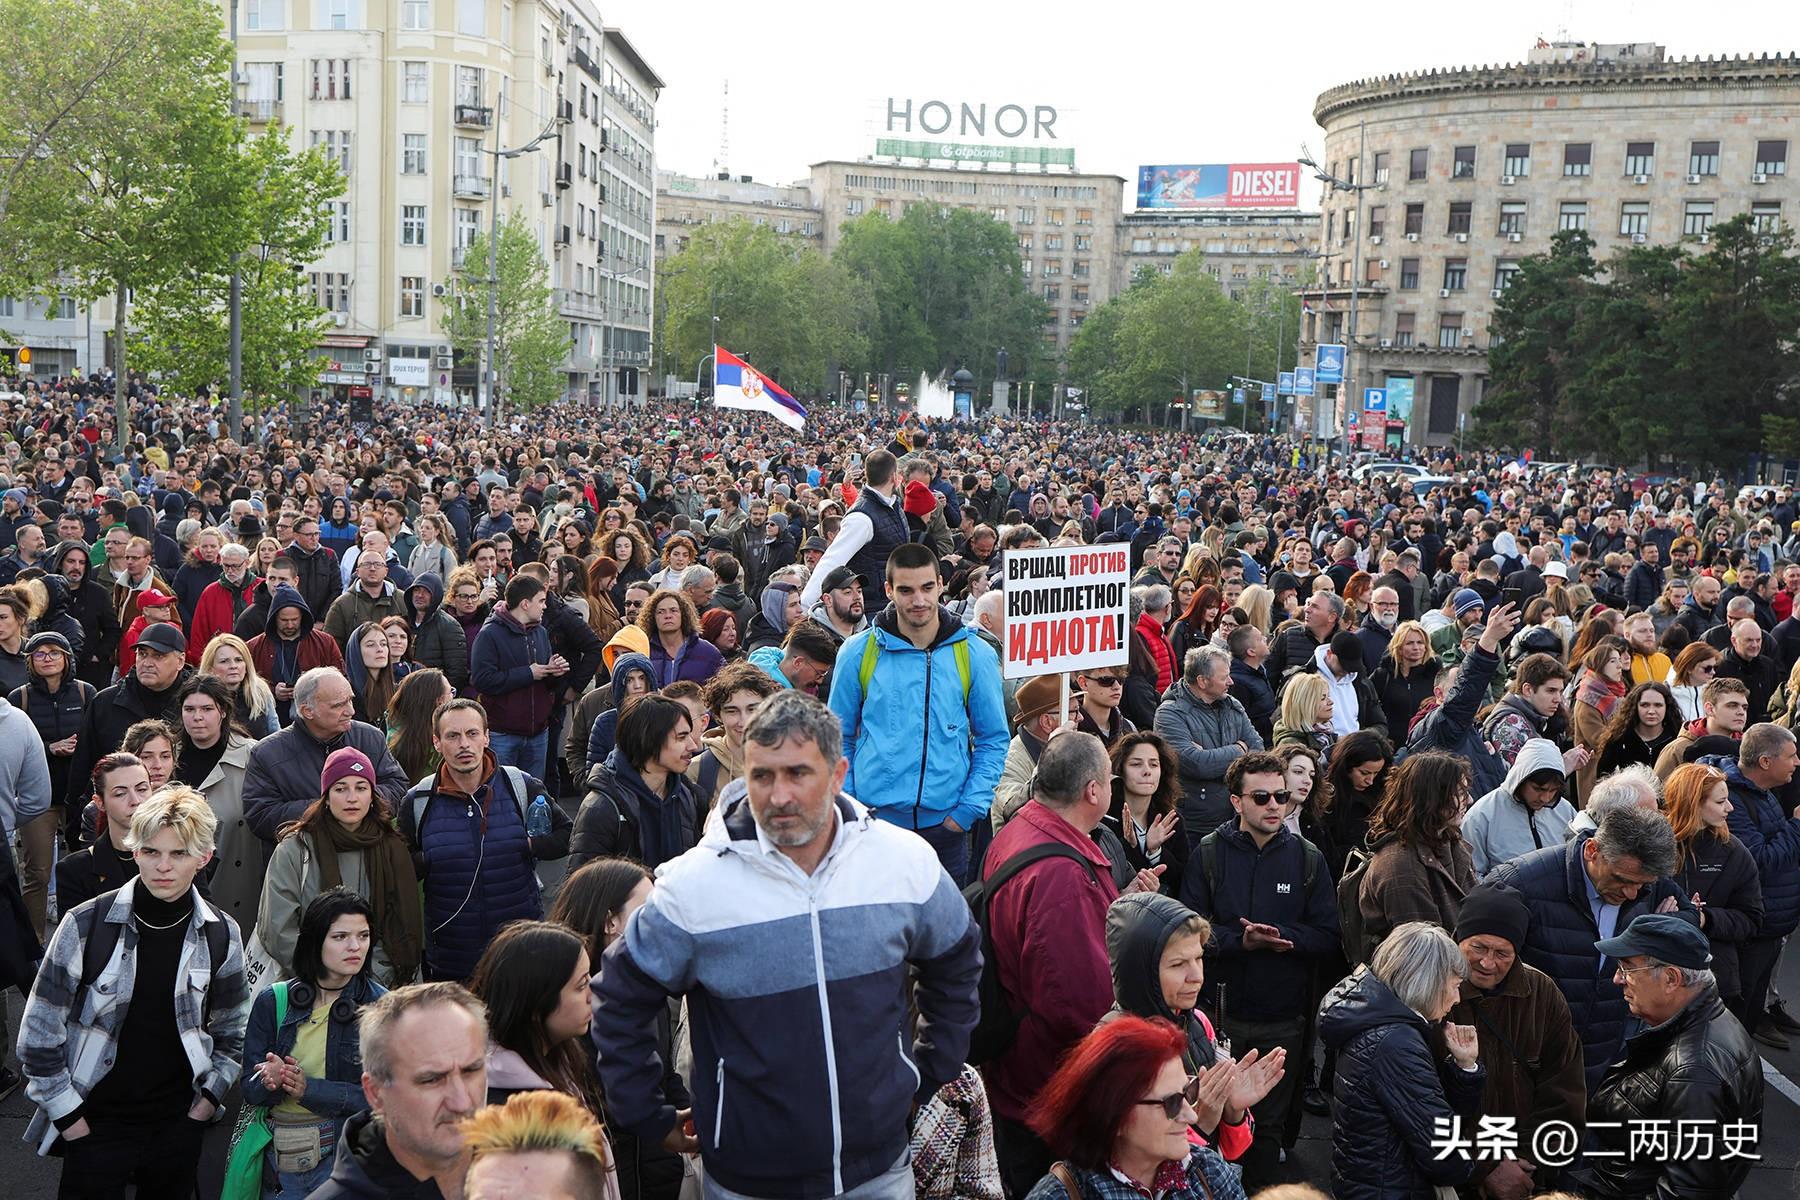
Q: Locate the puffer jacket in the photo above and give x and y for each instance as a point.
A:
(57, 716)
(919, 751)
(1251, 688)
(1699, 1066)
(617, 806)
(1560, 941)
(1391, 1093)
(190, 581)
(1759, 823)
(1204, 738)
(217, 611)
(1451, 725)
(282, 779)
(500, 672)
(1498, 827)
(1723, 874)
(438, 639)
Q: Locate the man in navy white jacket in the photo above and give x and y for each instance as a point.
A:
(791, 929)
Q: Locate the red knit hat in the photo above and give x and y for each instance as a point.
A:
(920, 499)
(344, 763)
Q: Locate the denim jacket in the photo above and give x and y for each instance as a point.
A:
(339, 1093)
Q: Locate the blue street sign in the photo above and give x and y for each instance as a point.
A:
(1328, 360)
(1285, 383)
(1303, 381)
(1237, 396)
(1351, 419)
(1375, 400)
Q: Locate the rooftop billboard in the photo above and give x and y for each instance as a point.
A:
(1219, 185)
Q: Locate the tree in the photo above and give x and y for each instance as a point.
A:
(128, 178)
(1178, 333)
(1621, 402)
(182, 332)
(1529, 360)
(531, 341)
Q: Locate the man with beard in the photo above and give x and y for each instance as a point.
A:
(840, 608)
(90, 604)
(1378, 626)
(222, 601)
(159, 669)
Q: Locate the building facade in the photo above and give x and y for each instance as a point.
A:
(65, 337)
(684, 202)
(1239, 245)
(1460, 173)
(1066, 223)
(413, 99)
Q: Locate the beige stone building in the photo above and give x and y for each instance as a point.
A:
(1464, 171)
(1066, 223)
(1239, 245)
(684, 202)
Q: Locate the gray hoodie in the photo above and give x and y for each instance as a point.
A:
(24, 769)
(1498, 827)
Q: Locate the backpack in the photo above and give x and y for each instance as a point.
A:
(1209, 862)
(420, 798)
(871, 652)
(97, 950)
(999, 1024)
(1349, 904)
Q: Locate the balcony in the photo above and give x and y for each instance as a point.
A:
(586, 62)
(474, 116)
(562, 235)
(565, 175)
(471, 187)
(259, 112)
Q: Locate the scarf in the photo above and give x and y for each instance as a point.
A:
(393, 887)
(1601, 695)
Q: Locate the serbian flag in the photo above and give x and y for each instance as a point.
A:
(737, 384)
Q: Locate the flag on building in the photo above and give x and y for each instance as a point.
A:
(737, 384)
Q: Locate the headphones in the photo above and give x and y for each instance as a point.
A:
(302, 994)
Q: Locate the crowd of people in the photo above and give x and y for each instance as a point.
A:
(1463, 815)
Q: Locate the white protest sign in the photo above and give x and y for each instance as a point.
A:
(1066, 609)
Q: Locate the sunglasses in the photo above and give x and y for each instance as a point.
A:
(1261, 797)
(1106, 680)
(1174, 1103)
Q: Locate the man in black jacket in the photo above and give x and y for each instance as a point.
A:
(1745, 660)
(150, 690)
(1250, 684)
(91, 604)
(1692, 1066)
(1273, 909)
(580, 648)
(320, 581)
(1293, 648)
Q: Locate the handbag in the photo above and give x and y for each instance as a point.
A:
(260, 968)
(250, 1137)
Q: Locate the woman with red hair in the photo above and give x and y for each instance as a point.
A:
(1118, 1113)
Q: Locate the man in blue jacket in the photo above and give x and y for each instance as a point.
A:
(1587, 890)
(1270, 898)
(514, 671)
(1766, 760)
(791, 929)
(924, 718)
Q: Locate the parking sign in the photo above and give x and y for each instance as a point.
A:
(1375, 400)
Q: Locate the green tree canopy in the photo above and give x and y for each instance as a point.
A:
(531, 340)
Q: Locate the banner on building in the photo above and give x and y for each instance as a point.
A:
(1219, 185)
(1066, 609)
(1043, 156)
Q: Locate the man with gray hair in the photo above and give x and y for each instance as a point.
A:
(698, 583)
(1761, 824)
(1692, 1067)
(1293, 649)
(1744, 660)
(1586, 890)
(797, 921)
(1635, 786)
(1207, 728)
(222, 601)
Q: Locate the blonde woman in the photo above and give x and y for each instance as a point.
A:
(227, 658)
(1404, 680)
(1305, 715)
(1258, 603)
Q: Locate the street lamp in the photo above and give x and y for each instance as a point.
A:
(1347, 388)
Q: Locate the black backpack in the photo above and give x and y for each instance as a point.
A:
(1349, 905)
(97, 950)
(999, 1023)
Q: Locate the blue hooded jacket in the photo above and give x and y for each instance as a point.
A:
(600, 741)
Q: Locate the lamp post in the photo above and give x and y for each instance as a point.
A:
(1347, 388)
(234, 412)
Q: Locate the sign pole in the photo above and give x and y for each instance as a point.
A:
(1062, 698)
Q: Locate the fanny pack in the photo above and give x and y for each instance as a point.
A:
(298, 1148)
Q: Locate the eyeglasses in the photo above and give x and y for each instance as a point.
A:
(1261, 797)
(1624, 970)
(46, 652)
(1174, 1103)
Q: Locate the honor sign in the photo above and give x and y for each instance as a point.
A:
(970, 130)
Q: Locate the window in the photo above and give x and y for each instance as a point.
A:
(415, 82)
(1053, 216)
(1331, 227)
(7, 308)
(1697, 218)
(330, 79)
(1572, 214)
(1053, 242)
(471, 18)
(1634, 218)
(412, 224)
(1403, 329)
(1377, 219)
(1765, 216)
(1450, 331)
(1578, 158)
(412, 154)
(853, 208)
(1504, 273)
(337, 221)
(415, 14)
(468, 221)
(1025, 242)
(1409, 274)
(1053, 292)
(1456, 274)
(1518, 159)
(265, 16)
(1703, 158)
(1084, 241)
(331, 290)
(1027, 216)
(1462, 164)
(468, 157)
(263, 83)
(1084, 216)
(1512, 218)
(1381, 166)
(1771, 158)
(1459, 217)
(1371, 270)
(63, 309)
(336, 143)
(1415, 218)
(412, 295)
(338, 14)
(468, 86)
(1052, 268)
(1415, 168)
(1640, 158)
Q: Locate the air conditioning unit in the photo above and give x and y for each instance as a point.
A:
(1462, 237)
(1495, 294)
(1412, 237)
(1444, 293)
(439, 290)
(1374, 239)
(1515, 237)
(550, 68)
(1468, 333)
(1693, 179)
(446, 361)
(1639, 239)
(1508, 180)
(1387, 343)
(1760, 177)
(1383, 263)
(340, 319)
(372, 354)
(546, 199)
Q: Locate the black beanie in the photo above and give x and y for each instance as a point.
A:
(1493, 910)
